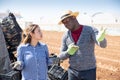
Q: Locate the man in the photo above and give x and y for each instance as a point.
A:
(78, 45)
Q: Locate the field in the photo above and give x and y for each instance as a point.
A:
(108, 59)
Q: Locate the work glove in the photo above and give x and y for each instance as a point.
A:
(16, 65)
(72, 48)
(101, 35)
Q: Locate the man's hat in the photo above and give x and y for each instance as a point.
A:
(68, 14)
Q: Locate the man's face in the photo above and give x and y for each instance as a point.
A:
(69, 22)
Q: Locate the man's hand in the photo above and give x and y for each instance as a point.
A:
(72, 49)
(15, 65)
(101, 35)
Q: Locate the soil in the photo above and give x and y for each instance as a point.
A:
(108, 59)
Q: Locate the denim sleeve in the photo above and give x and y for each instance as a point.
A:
(47, 56)
(20, 57)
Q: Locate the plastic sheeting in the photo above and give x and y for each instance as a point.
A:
(4, 56)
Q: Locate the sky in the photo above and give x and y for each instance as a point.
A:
(39, 9)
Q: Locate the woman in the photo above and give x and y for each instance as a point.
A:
(32, 55)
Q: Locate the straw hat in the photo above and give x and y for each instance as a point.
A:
(68, 14)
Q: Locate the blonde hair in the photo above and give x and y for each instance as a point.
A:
(26, 37)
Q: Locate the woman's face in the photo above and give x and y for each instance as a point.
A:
(37, 35)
